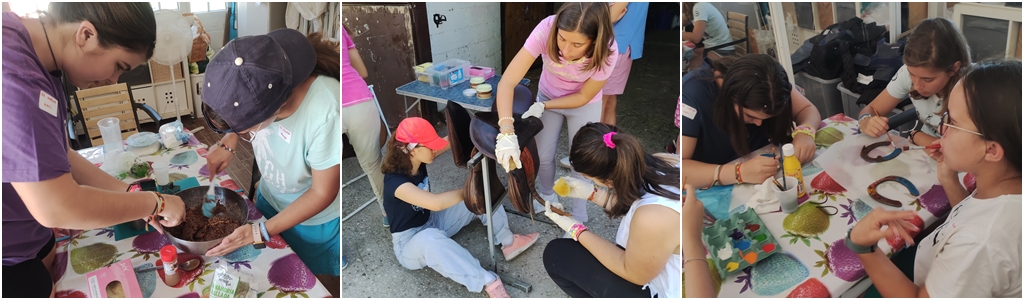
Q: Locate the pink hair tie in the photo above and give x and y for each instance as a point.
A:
(608, 139)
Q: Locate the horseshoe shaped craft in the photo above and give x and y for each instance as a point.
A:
(890, 202)
(867, 149)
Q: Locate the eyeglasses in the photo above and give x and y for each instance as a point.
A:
(208, 118)
(946, 123)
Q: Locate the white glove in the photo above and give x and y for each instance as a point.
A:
(535, 110)
(563, 222)
(577, 188)
(507, 148)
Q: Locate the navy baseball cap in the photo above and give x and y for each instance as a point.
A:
(252, 76)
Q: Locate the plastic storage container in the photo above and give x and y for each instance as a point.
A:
(850, 106)
(448, 73)
(421, 72)
(852, 109)
(822, 93)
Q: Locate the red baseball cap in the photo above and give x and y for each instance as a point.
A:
(420, 131)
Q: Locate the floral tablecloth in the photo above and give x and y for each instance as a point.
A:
(814, 261)
(276, 270)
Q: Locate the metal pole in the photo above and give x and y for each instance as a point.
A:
(781, 38)
(895, 21)
(487, 203)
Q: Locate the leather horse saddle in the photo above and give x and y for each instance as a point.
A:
(472, 134)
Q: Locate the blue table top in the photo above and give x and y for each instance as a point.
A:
(423, 90)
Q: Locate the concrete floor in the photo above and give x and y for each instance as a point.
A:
(646, 110)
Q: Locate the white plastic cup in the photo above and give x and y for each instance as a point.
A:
(787, 199)
(110, 131)
(161, 172)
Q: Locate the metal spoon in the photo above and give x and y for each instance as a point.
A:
(188, 265)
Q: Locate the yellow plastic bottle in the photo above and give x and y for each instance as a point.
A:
(791, 168)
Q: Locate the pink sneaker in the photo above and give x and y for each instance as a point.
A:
(496, 289)
(519, 244)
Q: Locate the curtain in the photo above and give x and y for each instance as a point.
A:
(308, 17)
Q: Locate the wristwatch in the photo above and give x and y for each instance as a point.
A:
(856, 248)
(257, 238)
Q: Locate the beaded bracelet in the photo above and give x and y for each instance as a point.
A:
(506, 118)
(805, 129)
(864, 116)
(739, 177)
(225, 147)
(576, 230)
(508, 127)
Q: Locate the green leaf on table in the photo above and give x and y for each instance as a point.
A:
(820, 253)
(917, 204)
(260, 294)
(191, 286)
(273, 288)
(303, 295)
(281, 295)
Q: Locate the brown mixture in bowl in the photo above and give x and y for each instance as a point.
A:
(198, 228)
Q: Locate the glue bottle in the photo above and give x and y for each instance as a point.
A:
(791, 168)
(169, 257)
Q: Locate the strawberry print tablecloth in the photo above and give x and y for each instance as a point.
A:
(814, 261)
(276, 270)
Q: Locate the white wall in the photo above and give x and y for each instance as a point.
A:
(472, 33)
(260, 17)
(216, 24)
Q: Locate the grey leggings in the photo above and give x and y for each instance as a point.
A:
(547, 146)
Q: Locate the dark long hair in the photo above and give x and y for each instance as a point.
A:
(632, 171)
(759, 83)
(396, 159)
(938, 44)
(131, 25)
(328, 55)
(592, 19)
(993, 94)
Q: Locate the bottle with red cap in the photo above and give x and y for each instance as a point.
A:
(169, 257)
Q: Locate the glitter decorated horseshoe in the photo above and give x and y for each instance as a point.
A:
(867, 149)
(882, 199)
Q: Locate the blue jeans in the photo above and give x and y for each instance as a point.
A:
(318, 246)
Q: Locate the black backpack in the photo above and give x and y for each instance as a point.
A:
(833, 52)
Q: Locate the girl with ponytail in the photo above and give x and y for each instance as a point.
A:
(644, 190)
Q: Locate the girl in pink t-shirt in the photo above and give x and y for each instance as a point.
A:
(577, 46)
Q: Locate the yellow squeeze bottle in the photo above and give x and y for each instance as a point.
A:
(791, 168)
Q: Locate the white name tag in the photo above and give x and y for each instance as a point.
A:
(47, 103)
(687, 111)
(284, 133)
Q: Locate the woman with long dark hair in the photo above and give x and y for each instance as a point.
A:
(735, 105)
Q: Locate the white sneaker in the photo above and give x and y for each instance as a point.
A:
(564, 162)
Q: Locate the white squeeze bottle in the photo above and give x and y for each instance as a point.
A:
(791, 168)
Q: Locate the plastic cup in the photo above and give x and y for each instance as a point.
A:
(110, 131)
(787, 198)
(161, 172)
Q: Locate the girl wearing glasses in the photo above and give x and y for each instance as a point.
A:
(934, 59)
(280, 92)
(976, 252)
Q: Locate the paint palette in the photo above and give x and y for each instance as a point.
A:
(738, 242)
